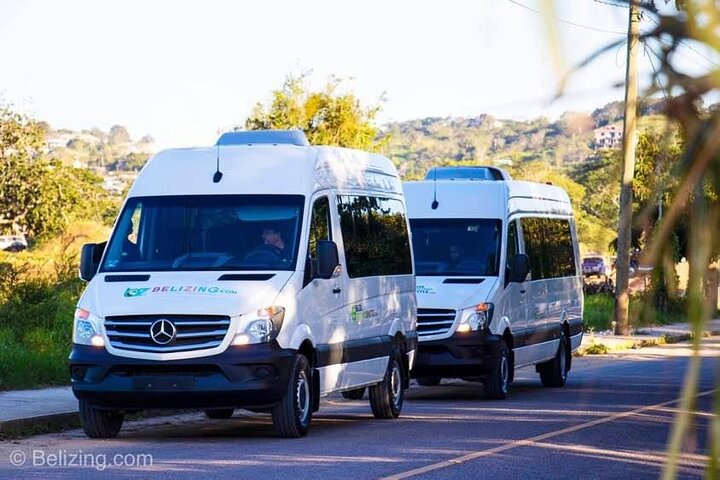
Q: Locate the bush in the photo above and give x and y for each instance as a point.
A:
(39, 290)
(23, 367)
(600, 312)
(596, 349)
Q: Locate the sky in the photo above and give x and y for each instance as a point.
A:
(184, 71)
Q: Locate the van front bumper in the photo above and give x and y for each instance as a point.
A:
(463, 355)
(251, 376)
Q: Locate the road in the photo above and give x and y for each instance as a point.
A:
(611, 420)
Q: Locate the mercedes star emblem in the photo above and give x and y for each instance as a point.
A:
(163, 331)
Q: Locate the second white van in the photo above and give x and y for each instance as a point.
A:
(499, 284)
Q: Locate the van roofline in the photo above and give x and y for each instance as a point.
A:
(253, 168)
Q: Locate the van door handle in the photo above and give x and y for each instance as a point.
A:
(522, 291)
(337, 290)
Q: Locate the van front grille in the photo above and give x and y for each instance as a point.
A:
(191, 332)
(434, 321)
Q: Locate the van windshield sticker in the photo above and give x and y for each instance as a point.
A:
(178, 289)
(424, 289)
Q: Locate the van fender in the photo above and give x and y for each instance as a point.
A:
(396, 327)
(498, 327)
(408, 348)
(302, 332)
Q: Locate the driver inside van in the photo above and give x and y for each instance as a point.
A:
(456, 255)
(130, 251)
(273, 241)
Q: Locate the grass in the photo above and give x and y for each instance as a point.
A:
(39, 290)
(600, 313)
(35, 335)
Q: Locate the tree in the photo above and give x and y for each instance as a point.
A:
(118, 135)
(135, 161)
(39, 195)
(609, 113)
(327, 117)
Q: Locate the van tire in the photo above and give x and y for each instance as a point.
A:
(497, 383)
(386, 398)
(428, 381)
(291, 417)
(98, 423)
(553, 373)
(354, 394)
(219, 413)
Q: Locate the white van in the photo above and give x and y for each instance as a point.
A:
(261, 273)
(498, 278)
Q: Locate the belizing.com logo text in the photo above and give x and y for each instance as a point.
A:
(170, 290)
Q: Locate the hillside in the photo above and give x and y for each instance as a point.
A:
(96, 149)
(416, 145)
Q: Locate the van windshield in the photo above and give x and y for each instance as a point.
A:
(206, 232)
(457, 247)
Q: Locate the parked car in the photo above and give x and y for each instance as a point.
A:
(595, 266)
(13, 243)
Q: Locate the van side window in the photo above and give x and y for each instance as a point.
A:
(375, 236)
(548, 243)
(560, 258)
(533, 236)
(319, 230)
(512, 243)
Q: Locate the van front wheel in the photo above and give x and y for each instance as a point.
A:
(497, 383)
(98, 423)
(291, 417)
(386, 398)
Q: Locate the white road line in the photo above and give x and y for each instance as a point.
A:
(530, 441)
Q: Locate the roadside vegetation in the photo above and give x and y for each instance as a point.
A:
(600, 312)
(38, 293)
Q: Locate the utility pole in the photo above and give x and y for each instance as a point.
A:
(622, 300)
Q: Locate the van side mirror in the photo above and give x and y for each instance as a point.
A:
(519, 268)
(90, 259)
(327, 259)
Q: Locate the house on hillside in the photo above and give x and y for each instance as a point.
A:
(609, 136)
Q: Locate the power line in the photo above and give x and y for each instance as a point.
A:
(613, 4)
(680, 52)
(567, 22)
(682, 42)
(646, 47)
(696, 51)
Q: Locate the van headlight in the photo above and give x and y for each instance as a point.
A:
(476, 318)
(261, 326)
(86, 329)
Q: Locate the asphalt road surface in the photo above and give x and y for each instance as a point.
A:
(611, 420)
